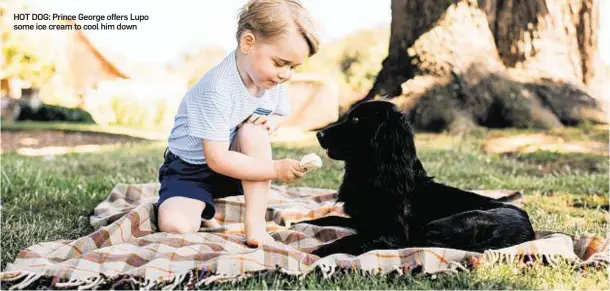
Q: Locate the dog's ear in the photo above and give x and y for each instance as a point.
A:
(394, 153)
(394, 138)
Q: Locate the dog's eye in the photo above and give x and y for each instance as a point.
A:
(354, 120)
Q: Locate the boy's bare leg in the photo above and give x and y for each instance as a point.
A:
(180, 215)
(253, 141)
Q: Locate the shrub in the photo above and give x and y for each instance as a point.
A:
(46, 112)
(135, 104)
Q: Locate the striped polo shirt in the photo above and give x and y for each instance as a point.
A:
(215, 105)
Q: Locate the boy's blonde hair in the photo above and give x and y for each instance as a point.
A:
(271, 18)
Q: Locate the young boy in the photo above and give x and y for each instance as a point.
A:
(219, 145)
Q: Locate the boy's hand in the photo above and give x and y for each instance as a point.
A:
(268, 122)
(288, 170)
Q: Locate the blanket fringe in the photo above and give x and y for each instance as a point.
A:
(95, 282)
(492, 257)
(327, 270)
(453, 268)
(70, 283)
(148, 284)
(601, 258)
(398, 269)
(177, 280)
(29, 279)
(16, 277)
(131, 279)
(297, 274)
(191, 281)
(552, 260)
(217, 278)
(195, 278)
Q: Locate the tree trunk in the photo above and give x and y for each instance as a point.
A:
(455, 64)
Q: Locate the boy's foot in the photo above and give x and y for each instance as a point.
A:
(256, 235)
(212, 223)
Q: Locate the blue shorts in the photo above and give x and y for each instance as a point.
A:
(179, 178)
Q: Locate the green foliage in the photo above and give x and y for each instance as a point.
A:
(130, 112)
(131, 104)
(23, 56)
(353, 61)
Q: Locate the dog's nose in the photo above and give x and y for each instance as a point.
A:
(320, 135)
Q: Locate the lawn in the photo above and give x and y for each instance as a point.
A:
(49, 198)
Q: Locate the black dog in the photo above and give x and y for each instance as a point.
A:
(393, 203)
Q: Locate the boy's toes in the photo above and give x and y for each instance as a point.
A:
(252, 242)
(257, 241)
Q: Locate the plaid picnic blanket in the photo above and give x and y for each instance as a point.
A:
(126, 246)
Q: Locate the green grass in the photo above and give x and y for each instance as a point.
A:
(49, 199)
(86, 127)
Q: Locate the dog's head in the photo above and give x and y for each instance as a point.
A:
(369, 129)
(377, 135)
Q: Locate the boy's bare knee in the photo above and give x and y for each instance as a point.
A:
(249, 130)
(177, 223)
(180, 215)
(253, 140)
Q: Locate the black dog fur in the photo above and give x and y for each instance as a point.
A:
(393, 203)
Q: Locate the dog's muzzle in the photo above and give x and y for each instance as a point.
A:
(320, 135)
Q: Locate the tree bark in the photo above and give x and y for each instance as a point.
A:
(455, 64)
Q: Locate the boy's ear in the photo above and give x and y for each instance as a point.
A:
(246, 41)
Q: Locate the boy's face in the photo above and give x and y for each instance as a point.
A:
(272, 62)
